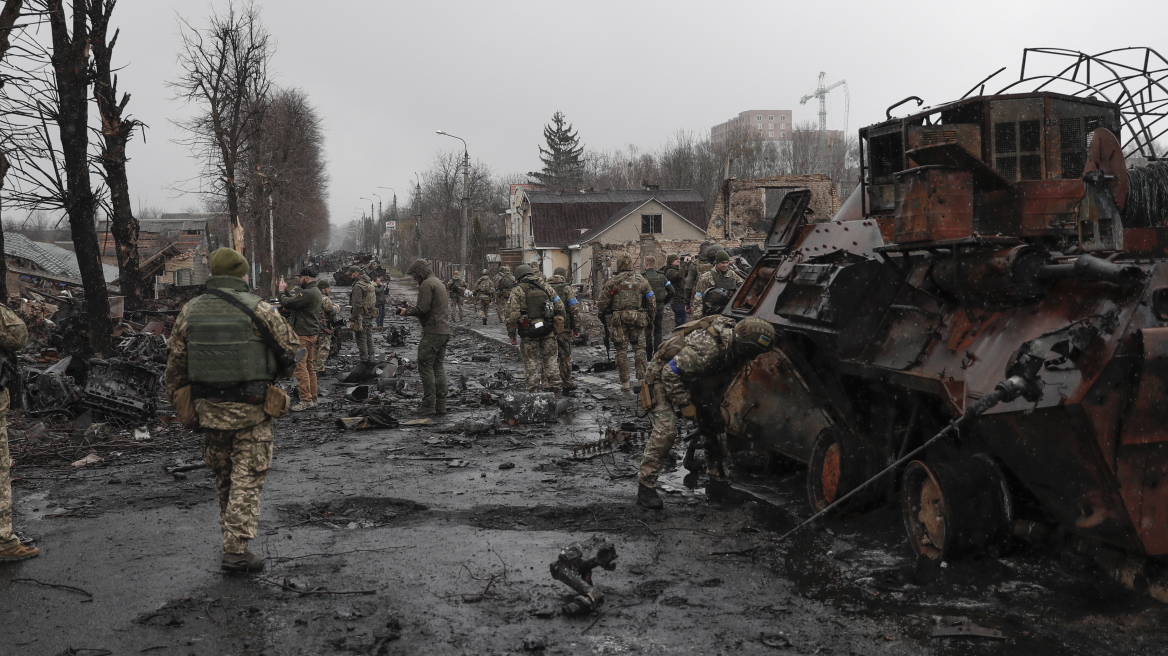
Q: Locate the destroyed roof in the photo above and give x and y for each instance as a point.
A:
(49, 257)
(187, 232)
(559, 219)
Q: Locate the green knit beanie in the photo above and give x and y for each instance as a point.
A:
(226, 262)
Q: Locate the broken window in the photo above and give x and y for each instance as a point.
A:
(650, 224)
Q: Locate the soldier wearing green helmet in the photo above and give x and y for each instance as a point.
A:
(536, 314)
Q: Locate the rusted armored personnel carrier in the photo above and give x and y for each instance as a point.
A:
(999, 256)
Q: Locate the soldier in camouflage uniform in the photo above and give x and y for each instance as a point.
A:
(329, 312)
(537, 314)
(503, 286)
(676, 278)
(662, 295)
(13, 338)
(456, 289)
(433, 312)
(572, 326)
(218, 356)
(695, 351)
(626, 302)
(363, 307)
(697, 267)
(484, 291)
(721, 276)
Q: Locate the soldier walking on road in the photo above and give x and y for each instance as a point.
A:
(627, 301)
(721, 276)
(536, 313)
(662, 294)
(226, 349)
(13, 338)
(456, 289)
(305, 302)
(433, 311)
(697, 350)
(329, 312)
(484, 291)
(676, 279)
(363, 307)
(572, 327)
(503, 287)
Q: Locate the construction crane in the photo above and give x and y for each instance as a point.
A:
(821, 93)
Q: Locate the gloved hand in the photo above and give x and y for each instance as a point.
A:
(690, 411)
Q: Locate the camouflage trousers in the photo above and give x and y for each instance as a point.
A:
(539, 362)
(662, 438)
(432, 369)
(628, 330)
(483, 303)
(363, 333)
(240, 460)
(305, 372)
(501, 304)
(324, 344)
(564, 344)
(456, 306)
(7, 539)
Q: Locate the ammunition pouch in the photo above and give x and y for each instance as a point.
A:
(252, 392)
(276, 402)
(646, 396)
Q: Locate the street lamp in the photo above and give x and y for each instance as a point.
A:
(393, 236)
(465, 196)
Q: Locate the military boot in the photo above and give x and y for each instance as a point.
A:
(424, 410)
(242, 562)
(19, 552)
(647, 497)
(626, 388)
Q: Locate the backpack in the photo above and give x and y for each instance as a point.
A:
(13, 332)
(537, 319)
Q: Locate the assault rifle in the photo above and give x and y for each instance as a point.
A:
(607, 338)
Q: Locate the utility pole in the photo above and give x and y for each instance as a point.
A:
(465, 199)
(418, 215)
(272, 242)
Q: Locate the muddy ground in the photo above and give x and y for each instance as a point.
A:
(414, 540)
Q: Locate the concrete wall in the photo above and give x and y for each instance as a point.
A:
(747, 200)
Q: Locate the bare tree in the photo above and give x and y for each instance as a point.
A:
(71, 67)
(117, 128)
(225, 70)
(8, 17)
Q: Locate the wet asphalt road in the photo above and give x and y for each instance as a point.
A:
(415, 540)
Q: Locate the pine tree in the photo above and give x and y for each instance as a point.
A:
(563, 159)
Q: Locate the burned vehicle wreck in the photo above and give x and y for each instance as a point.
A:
(999, 262)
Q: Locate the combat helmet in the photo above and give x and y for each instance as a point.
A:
(624, 262)
(505, 269)
(484, 272)
(753, 336)
(714, 301)
(712, 252)
(523, 270)
(560, 271)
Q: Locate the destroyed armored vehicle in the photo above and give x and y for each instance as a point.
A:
(999, 262)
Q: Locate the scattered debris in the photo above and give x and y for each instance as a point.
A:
(612, 440)
(966, 628)
(88, 460)
(528, 408)
(574, 569)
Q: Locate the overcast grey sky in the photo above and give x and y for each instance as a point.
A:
(385, 75)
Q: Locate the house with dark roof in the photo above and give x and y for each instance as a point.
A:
(45, 266)
(561, 228)
(173, 249)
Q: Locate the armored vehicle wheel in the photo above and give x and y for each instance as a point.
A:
(840, 462)
(955, 509)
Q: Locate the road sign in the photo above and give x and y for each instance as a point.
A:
(391, 225)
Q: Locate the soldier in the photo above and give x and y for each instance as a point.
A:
(567, 293)
(626, 302)
(503, 288)
(223, 358)
(433, 311)
(329, 312)
(695, 351)
(536, 313)
(662, 294)
(676, 278)
(721, 276)
(363, 307)
(305, 303)
(484, 290)
(697, 267)
(13, 338)
(456, 289)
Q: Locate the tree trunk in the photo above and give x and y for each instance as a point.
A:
(116, 130)
(3, 259)
(70, 65)
(8, 16)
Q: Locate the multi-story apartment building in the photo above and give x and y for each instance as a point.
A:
(770, 124)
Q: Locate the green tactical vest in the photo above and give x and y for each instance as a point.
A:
(626, 294)
(222, 347)
(484, 286)
(539, 311)
(657, 281)
(729, 282)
